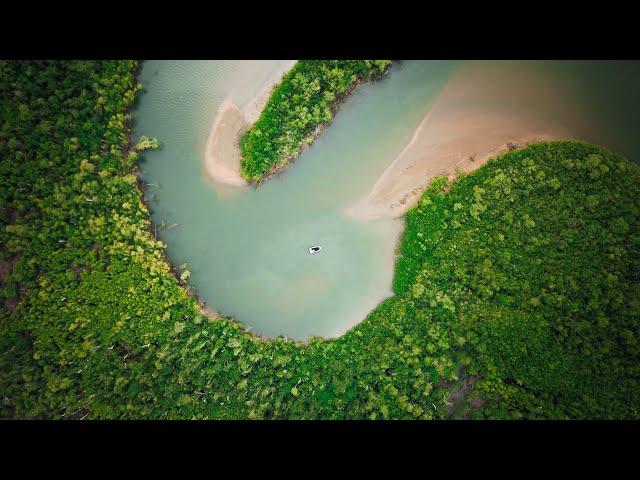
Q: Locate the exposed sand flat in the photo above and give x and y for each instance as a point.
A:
(483, 110)
(222, 153)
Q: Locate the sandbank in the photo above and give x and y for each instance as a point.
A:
(483, 110)
(222, 152)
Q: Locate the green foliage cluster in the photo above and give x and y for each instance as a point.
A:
(532, 266)
(301, 104)
(522, 277)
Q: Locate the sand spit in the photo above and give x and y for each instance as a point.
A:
(222, 154)
(484, 109)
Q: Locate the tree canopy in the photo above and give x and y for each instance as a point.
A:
(517, 286)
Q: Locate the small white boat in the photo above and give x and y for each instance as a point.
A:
(315, 249)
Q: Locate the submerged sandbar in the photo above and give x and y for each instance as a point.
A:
(483, 110)
(222, 153)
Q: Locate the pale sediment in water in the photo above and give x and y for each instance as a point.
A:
(222, 152)
(254, 107)
(375, 296)
(483, 110)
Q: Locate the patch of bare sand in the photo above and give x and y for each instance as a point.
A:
(222, 152)
(485, 109)
(222, 155)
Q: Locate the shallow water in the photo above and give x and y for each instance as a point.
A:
(247, 248)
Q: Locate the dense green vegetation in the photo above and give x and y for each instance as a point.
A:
(518, 287)
(305, 100)
(531, 266)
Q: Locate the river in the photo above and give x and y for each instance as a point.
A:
(246, 248)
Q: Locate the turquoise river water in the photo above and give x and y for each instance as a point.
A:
(247, 248)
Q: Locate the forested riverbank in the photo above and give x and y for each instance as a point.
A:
(304, 101)
(516, 287)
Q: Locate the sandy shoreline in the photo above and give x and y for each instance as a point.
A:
(222, 154)
(254, 107)
(481, 112)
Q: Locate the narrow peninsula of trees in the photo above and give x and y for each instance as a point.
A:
(516, 288)
(301, 104)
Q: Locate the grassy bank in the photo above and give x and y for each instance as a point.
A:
(517, 286)
(303, 102)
